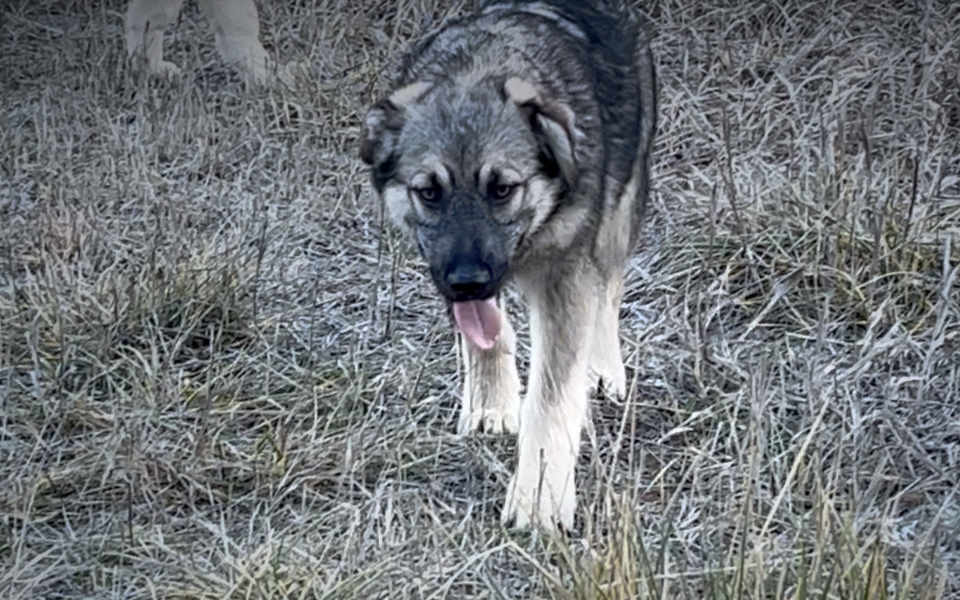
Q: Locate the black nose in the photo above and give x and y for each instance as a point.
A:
(470, 282)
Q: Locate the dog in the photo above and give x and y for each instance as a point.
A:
(514, 149)
(236, 28)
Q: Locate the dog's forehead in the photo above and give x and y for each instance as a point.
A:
(467, 128)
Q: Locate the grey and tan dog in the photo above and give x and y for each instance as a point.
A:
(514, 147)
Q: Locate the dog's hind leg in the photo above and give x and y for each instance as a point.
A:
(563, 310)
(606, 361)
(236, 28)
(491, 388)
(144, 25)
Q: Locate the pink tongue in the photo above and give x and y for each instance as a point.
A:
(479, 320)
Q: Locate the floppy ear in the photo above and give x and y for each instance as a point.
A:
(383, 116)
(552, 122)
(381, 127)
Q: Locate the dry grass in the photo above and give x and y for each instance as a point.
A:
(213, 383)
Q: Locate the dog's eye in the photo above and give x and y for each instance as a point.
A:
(502, 191)
(429, 195)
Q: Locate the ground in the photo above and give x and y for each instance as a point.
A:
(221, 378)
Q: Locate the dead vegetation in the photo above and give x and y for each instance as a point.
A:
(217, 380)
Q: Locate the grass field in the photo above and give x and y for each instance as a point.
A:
(219, 378)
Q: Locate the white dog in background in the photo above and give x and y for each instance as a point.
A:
(236, 27)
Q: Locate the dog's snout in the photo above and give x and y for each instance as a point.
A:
(469, 281)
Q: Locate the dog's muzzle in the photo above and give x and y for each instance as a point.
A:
(469, 282)
(472, 290)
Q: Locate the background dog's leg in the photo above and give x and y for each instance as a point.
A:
(563, 312)
(144, 25)
(606, 361)
(236, 27)
(491, 387)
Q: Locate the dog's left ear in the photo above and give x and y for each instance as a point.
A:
(384, 122)
(552, 122)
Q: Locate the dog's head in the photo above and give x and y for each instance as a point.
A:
(471, 171)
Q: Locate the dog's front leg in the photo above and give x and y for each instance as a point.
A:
(236, 28)
(144, 25)
(491, 386)
(562, 316)
(606, 361)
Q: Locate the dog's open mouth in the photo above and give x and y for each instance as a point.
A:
(479, 320)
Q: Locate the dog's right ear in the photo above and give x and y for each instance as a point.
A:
(384, 122)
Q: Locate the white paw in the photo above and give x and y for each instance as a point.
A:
(606, 362)
(613, 375)
(542, 493)
(488, 421)
(491, 406)
(165, 68)
(294, 71)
